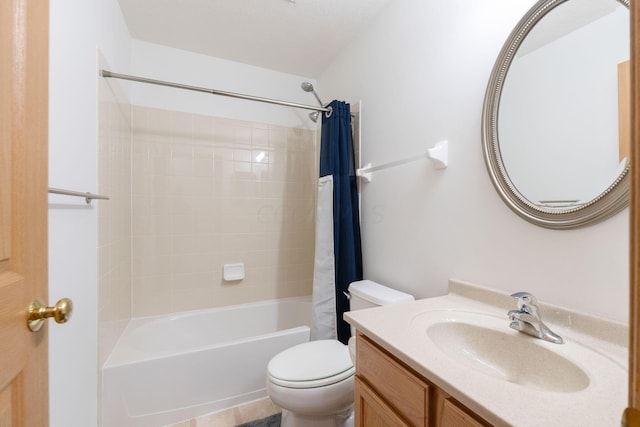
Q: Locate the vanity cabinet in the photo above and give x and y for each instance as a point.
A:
(390, 394)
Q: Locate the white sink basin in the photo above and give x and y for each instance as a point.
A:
(486, 344)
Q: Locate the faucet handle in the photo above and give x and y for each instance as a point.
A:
(525, 297)
(526, 302)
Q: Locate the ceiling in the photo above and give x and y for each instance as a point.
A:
(299, 37)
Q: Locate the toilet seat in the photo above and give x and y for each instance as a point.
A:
(311, 365)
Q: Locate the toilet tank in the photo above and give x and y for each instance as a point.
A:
(367, 294)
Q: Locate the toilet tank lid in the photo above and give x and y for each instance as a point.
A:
(377, 293)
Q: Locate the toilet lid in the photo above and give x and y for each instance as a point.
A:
(312, 364)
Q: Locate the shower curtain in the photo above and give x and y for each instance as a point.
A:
(338, 247)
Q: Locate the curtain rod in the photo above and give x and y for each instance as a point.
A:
(109, 74)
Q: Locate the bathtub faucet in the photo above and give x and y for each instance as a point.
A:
(526, 319)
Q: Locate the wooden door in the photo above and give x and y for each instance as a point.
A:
(631, 417)
(24, 51)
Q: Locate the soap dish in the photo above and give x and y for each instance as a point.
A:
(233, 272)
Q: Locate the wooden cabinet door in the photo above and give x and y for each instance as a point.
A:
(24, 51)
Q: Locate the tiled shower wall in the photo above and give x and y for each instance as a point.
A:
(114, 216)
(209, 191)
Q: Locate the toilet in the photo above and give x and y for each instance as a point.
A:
(313, 382)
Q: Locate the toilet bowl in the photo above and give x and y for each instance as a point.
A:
(313, 382)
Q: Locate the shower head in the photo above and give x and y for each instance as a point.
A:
(314, 115)
(308, 87)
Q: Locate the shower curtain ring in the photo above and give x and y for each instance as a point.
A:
(328, 114)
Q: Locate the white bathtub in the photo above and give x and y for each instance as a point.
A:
(176, 367)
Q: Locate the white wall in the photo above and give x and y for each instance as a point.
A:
(179, 66)
(421, 72)
(78, 29)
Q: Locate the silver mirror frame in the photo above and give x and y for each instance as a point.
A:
(614, 199)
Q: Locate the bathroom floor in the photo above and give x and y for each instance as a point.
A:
(233, 416)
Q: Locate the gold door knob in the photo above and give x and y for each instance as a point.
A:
(38, 311)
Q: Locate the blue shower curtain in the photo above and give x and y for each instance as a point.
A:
(337, 160)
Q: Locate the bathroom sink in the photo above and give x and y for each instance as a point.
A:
(485, 344)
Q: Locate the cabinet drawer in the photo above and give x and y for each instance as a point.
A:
(372, 411)
(401, 388)
(454, 416)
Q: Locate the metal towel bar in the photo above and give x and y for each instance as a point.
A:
(88, 197)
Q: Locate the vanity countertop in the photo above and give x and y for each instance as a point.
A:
(502, 402)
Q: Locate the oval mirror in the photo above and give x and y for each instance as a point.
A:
(556, 115)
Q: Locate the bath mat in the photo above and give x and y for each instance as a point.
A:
(272, 421)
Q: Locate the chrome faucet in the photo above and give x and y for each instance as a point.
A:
(527, 319)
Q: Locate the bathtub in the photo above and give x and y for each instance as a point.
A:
(176, 367)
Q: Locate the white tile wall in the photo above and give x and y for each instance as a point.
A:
(114, 216)
(208, 191)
